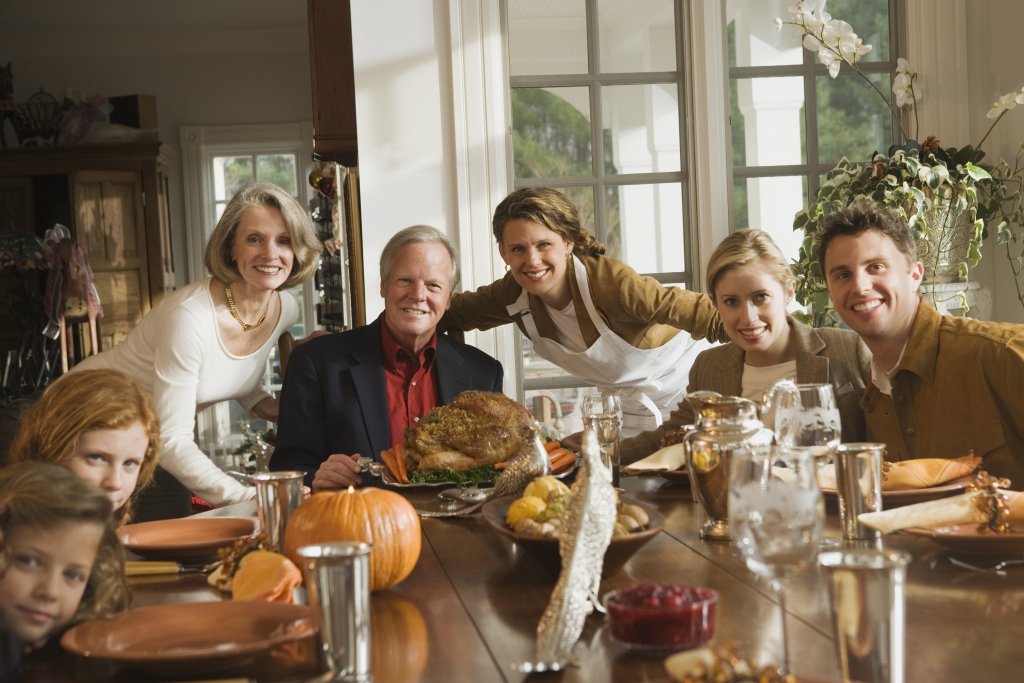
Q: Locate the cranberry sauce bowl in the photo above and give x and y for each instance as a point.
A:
(657, 619)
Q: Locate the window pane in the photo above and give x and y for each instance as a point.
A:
(551, 132)
(852, 119)
(771, 204)
(558, 410)
(768, 121)
(230, 174)
(870, 21)
(753, 39)
(642, 128)
(637, 36)
(646, 226)
(278, 169)
(583, 198)
(546, 37)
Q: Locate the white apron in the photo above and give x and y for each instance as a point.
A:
(651, 382)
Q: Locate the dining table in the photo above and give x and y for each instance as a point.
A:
(470, 608)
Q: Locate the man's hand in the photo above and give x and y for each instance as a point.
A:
(574, 441)
(337, 472)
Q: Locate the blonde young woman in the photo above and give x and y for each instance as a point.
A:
(589, 314)
(101, 425)
(209, 341)
(751, 284)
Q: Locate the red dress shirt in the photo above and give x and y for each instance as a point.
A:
(411, 383)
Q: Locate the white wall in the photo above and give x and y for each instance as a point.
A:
(398, 118)
(995, 68)
(206, 62)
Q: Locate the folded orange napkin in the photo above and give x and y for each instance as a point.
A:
(924, 472)
(960, 509)
(266, 575)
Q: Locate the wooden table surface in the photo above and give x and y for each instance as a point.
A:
(470, 610)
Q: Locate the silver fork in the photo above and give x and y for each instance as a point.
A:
(996, 568)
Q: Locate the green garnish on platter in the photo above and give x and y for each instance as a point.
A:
(475, 477)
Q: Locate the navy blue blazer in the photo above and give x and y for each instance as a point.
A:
(334, 398)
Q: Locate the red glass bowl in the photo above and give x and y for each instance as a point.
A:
(658, 619)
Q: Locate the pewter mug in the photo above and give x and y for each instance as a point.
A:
(724, 424)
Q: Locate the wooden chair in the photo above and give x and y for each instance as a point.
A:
(285, 344)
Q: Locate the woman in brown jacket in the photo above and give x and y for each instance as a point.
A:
(589, 314)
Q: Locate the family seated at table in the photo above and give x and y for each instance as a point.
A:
(935, 386)
(355, 393)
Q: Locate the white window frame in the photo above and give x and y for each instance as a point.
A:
(481, 141)
(199, 146)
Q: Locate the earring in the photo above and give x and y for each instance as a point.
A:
(507, 267)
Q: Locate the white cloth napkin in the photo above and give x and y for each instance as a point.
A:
(930, 514)
(667, 459)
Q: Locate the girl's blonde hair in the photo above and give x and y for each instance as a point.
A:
(743, 247)
(86, 401)
(40, 495)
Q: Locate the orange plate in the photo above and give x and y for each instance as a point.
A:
(965, 538)
(188, 538)
(191, 636)
(895, 499)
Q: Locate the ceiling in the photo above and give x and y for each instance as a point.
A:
(50, 16)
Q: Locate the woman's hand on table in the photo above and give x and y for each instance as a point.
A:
(267, 409)
(338, 471)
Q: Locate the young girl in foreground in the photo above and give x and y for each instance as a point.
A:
(60, 558)
(101, 425)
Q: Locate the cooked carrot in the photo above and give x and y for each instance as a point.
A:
(552, 445)
(501, 465)
(390, 461)
(403, 472)
(552, 454)
(563, 461)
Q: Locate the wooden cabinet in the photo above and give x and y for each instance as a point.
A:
(114, 200)
(333, 81)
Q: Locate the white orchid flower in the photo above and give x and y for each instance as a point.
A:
(777, 21)
(1005, 103)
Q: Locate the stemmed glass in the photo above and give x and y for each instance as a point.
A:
(776, 515)
(807, 418)
(603, 414)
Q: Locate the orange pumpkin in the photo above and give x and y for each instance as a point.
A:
(382, 518)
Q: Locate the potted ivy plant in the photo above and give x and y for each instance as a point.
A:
(948, 195)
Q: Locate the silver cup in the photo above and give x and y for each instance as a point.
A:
(859, 483)
(866, 590)
(337, 579)
(277, 495)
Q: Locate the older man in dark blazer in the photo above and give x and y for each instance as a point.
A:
(354, 393)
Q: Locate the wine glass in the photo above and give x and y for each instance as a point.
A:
(776, 515)
(806, 417)
(602, 413)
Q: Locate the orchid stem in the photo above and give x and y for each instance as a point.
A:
(985, 136)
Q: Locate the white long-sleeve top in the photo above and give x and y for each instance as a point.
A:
(177, 354)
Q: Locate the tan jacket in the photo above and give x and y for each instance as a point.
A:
(638, 308)
(958, 388)
(823, 355)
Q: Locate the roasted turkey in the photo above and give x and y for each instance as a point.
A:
(477, 428)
